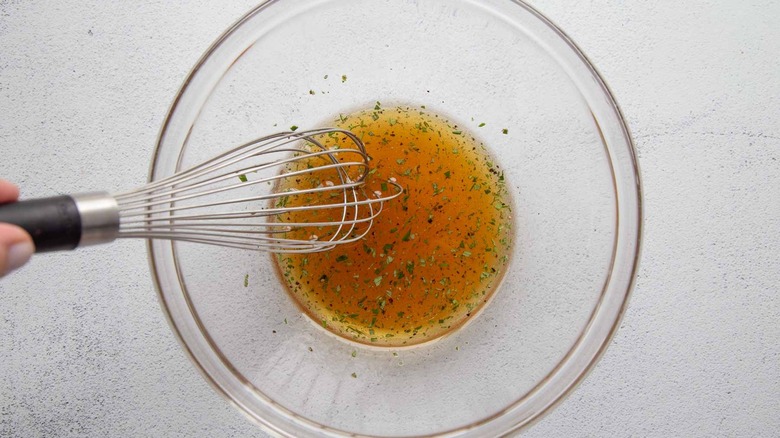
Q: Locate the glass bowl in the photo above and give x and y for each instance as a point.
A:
(505, 73)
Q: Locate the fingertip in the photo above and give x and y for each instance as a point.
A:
(16, 248)
(9, 192)
(18, 255)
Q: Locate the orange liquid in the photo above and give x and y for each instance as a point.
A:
(433, 257)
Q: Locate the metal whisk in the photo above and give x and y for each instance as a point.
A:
(286, 192)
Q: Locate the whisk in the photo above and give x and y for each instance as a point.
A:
(287, 192)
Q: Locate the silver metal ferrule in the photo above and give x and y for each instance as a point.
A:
(99, 213)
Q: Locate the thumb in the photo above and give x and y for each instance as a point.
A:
(16, 247)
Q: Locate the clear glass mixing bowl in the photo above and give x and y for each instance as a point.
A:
(567, 156)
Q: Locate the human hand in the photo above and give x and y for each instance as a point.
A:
(16, 246)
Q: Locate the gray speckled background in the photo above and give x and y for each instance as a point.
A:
(86, 351)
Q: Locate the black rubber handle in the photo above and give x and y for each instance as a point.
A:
(54, 223)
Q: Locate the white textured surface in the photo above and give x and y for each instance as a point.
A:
(86, 351)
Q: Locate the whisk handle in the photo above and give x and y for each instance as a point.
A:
(65, 222)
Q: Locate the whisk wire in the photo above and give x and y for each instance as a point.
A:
(190, 206)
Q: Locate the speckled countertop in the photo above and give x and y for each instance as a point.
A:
(86, 351)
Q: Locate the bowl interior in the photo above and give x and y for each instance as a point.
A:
(567, 159)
